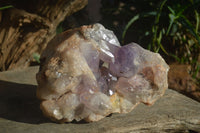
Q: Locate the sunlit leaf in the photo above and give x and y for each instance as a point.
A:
(36, 56)
(171, 10)
(172, 18)
(135, 18)
(197, 19)
(6, 7)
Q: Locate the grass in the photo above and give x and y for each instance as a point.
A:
(6, 7)
(173, 29)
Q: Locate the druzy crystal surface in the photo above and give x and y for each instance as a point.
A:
(86, 74)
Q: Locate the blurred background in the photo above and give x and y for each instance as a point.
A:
(169, 27)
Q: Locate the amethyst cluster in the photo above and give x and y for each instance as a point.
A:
(86, 74)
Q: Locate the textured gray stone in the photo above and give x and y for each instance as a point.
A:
(20, 113)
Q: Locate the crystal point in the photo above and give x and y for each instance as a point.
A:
(89, 75)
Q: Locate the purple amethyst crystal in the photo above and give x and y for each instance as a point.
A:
(125, 64)
(86, 74)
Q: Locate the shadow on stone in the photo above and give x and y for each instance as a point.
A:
(18, 102)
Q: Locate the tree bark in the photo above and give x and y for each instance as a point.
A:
(29, 26)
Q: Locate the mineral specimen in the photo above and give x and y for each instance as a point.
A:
(86, 74)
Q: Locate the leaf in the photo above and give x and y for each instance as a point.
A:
(159, 37)
(6, 7)
(197, 19)
(160, 10)
(196, 71)
(175, 57)
(163, 49)
(129, 24)
(182, 10)
(171, 21)
(135, 18)
(185, 22)
(159, 43)
(36, 56)
(171, 10)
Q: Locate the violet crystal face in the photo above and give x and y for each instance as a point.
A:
(86, 74)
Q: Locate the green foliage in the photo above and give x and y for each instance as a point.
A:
(36, 56)
(6, 7)
(59, 29)
(170, 27)
(135, 18)
(176, 17)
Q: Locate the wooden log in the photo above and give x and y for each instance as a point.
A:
(27, 28)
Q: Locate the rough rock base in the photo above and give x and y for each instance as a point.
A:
(20, 113)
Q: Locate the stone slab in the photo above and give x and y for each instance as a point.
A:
(20, 113)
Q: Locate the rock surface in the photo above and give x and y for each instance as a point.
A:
(180, 80)
(86, 74)
(20, 113)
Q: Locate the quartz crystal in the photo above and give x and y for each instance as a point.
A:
(86, 74)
